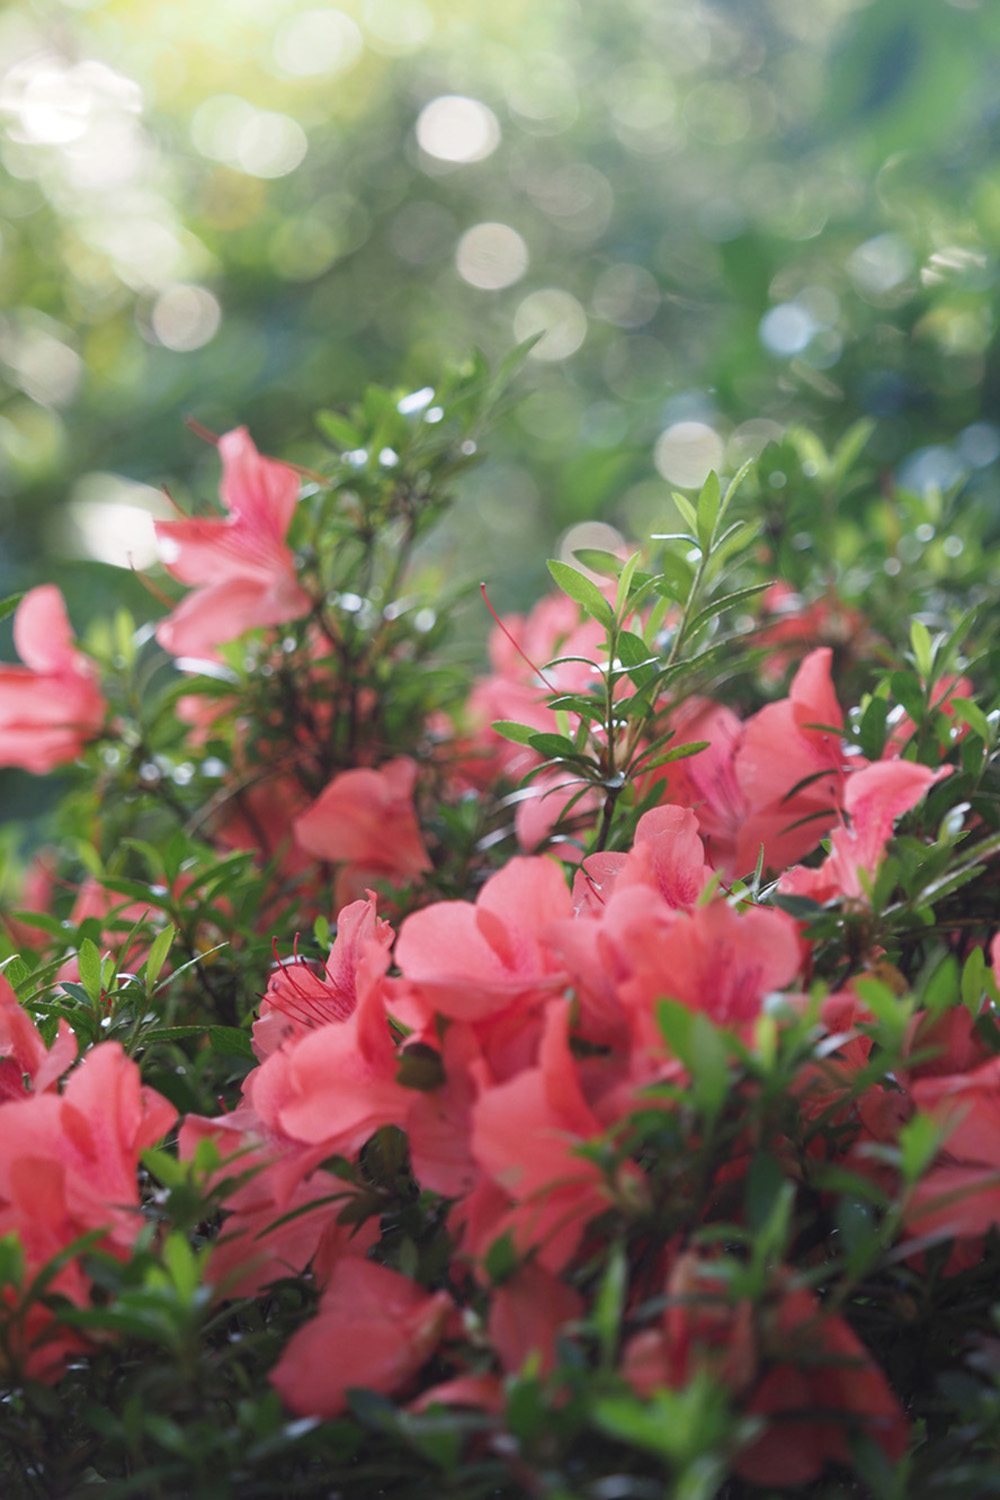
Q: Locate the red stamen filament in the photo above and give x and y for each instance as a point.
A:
(525, 658)
(200, 430)
(301, 1006)
(151, 587)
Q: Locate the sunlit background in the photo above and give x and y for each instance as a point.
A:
(720, 217)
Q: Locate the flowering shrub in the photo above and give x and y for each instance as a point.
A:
(581, 1081)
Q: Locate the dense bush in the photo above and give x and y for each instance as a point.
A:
(578, 1080)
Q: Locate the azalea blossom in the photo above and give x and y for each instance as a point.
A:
(874, 798)
(242, 569)
(365, 820)
(26, 1064)
(51, 706)
(374, 1328)
(68, 1165)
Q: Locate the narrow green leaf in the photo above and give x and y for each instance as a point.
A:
(8, 605)
(733, 540)
(679, 752)
(520, 734)
(871, 731)
(923, 651)
(182, 1264)
(89, 962)
(655, 620)
(420, 1067)
(16, 973)
(554, 746)
(708, 510)
(676, 577)
(687, 511)
(849, 449)
(599, 561)
(169, 1034)
(625, 584)
(919, 1140)
(634, 654)
(582, 589)
(609, 1303)
(158, 954)
(970, 713)
(733, 486)
(727, 601)
(809, 450)
(164, 1167)
(973, 979)
(230, 1041)
(906, 689)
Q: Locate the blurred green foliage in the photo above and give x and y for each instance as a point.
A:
(729, 217)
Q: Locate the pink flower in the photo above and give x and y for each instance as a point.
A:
(51, 707)
(529, 1312)
(526, 1132)
(375, 1328)
(330, 1088)
(270, 1231)
(243, 572)
(366, 820)
(795, 743)
(717, 960)
(822, 1386)
(23, 1054)
(875, 797)
(471, 962)
(68, 1165)
(298, 999)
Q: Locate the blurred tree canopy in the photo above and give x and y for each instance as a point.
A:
(722, 217)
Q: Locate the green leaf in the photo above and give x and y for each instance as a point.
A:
(231, 1041)
(727, 601)
(8, 605)
(941, 989)
(848, 450)
(708, 510)
(169, 1034)
(165, 1167)
(89, 962)
(809, 450)
(678, 752)
(609, 1304)
(733, 486)
(919, 1140)
(501, 1259)
(732, 540)
(871, 730)
(688, 513)
(599, 561)
(16, 973)
(625, 584)
(520, 734)
(970, 713)
(923, 650)
(182, 1263)
(676, 577)
(973, 980)
(158, 954)
(582, 589)
(420, 1067)
(634, 654)
(907, 690)
(554, 746)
